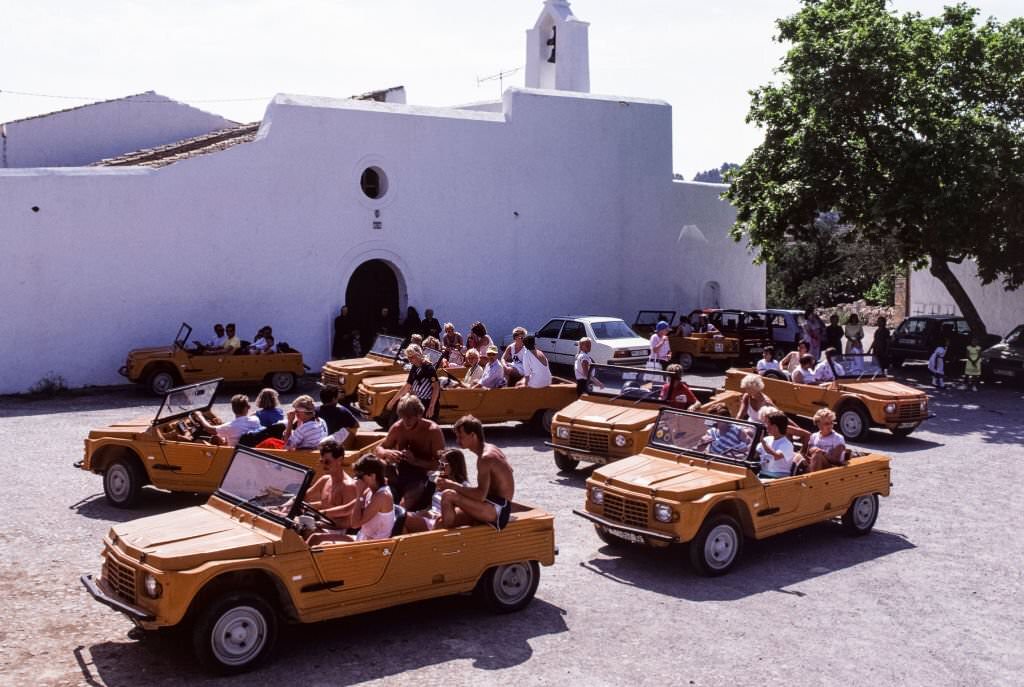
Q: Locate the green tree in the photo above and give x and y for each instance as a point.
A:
(910, 128)
(715, 176)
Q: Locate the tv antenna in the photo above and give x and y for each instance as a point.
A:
(499, 77)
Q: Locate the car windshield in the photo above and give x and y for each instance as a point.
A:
(649, 318)
(853, 366)
(612, 329)
(386, 346)
(433, 357)
(619, 381)
(184, 331)
(1016, 337)
(715, 437)
(259, 482)
(187, 399)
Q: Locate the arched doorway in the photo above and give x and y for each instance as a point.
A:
(372, 286)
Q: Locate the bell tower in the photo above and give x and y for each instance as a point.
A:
(557, 51)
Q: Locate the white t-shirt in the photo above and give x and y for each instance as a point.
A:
(578, 366)
(773, 465)
(826, 444)
(763, 365)
(515, 358)
(823, 372)
(307, 435)
(232, 431)
(661, 349)
(538, 373)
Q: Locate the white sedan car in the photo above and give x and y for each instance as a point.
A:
(615, 343)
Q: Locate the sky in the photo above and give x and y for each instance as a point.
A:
(231, 56)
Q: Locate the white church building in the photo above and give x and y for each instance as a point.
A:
(551, 201)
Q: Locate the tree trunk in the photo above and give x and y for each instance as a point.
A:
(940, 270)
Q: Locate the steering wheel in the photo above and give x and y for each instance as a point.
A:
(318, 516)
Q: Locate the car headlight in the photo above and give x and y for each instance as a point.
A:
(924, 406)
(662, 512)
(890, 408)
(597, 495)
(621, 440)
(153, 588)
(562, 432)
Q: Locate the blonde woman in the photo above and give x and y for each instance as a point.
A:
(753, 398)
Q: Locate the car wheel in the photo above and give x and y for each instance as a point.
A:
(685, 361)
(235, 633)
(543, 419)
(860, 517)
(717, 546)
(564, 462)
(122, 482)
(895, 363)
(609, 538)
(282, 382)
(508, 588)
(160, 382)
(852, 422)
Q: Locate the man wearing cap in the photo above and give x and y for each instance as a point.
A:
(422, 382)
(494, 371)
(661, 350)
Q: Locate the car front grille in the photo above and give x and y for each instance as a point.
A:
(910, 411)
(330, 379)
(365, 401)
(120, 577)
(627, 511)
(588, 441)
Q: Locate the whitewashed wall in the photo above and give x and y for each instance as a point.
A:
(1001, 310)
(83, 135)
(560, 203)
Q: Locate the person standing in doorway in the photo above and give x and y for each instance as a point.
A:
(341, 346)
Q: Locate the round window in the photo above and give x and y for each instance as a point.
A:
(374, 182)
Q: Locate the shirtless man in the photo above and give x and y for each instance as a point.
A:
(335, 494)
(411, 448)
(490, 501)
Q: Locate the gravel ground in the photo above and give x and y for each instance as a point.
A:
(932, 596)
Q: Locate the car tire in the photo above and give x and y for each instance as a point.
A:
(608, 538)
(543, 419)
(160, 381)
(509, 588)
(860, 517)
(564, 463)
(902, 431)
(234, 633)
(717, 546)
(281, 382)
(852, 422)
(123, 481)
(895, 363)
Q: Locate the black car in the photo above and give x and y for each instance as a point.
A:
(918, 336)
(749, 326)
(1005, 360)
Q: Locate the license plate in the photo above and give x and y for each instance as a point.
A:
(631, 537)
(1005, 373)
(756, 349)
(719, 348)
(907, 341)
(907, 425)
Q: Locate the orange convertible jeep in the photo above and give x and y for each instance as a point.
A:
(861, 397)
(171, 452)
(161, 368)
(232, 571)
(385, 358)
(698, 483)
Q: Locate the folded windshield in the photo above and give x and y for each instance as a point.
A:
(386, 346)
(184, 331)
(623, 382)
(187, 399)
(259, 480)
(713, 436)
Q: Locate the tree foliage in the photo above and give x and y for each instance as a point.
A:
(911, 128)
(715, 176)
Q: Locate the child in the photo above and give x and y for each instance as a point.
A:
(826, 448)
(776, 450)
(937, 365)
(972, 368)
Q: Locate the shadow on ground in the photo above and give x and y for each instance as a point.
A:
(355, 649)
(774, 564)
